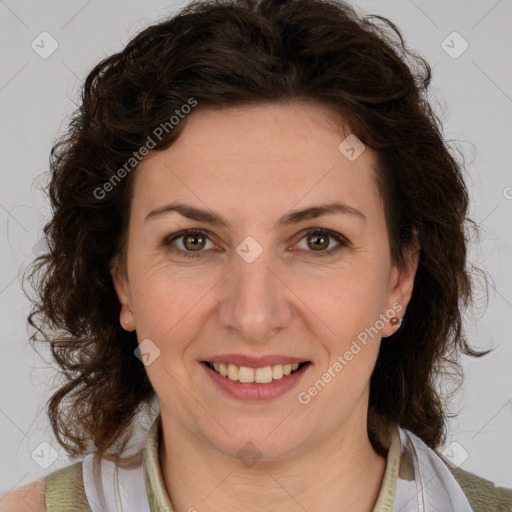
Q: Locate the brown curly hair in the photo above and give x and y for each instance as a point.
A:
(241, 53)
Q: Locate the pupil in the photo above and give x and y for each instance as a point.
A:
(316, 238)
(195, 243)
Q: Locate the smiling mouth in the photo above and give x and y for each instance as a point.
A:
(262, 375)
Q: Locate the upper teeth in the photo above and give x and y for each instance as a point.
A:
(258, 375)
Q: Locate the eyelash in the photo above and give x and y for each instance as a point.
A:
(316, 254)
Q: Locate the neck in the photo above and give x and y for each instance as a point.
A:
(343, 473)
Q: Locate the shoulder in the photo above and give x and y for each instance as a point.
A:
(30, 498)
(481, 493)
(62, 490)
(65, 490)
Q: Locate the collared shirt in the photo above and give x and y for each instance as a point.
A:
(415, 480)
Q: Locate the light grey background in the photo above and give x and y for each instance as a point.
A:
(473, 94)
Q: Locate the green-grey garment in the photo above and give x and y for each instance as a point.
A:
(65, 490)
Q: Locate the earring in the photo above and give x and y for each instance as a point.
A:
(126, 321)
(394, 321)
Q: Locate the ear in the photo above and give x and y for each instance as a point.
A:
(121, 286)
(401, 284)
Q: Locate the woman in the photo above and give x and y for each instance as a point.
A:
(259, 228)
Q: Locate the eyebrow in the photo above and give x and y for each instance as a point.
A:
(294, 217)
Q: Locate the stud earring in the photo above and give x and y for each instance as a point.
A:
(394, 321)
(126, 321)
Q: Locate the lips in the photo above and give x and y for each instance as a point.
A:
(255, 384)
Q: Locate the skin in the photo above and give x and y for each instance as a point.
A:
(30, 498)
(252, 166)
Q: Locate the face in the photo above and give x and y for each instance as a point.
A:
(253, 280)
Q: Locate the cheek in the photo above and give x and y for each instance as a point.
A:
(348, 329)
(345, 312)
(169, 311)
(351, 297)
(167, 317)
(162, 293)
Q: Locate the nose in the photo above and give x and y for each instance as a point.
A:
(256, 301)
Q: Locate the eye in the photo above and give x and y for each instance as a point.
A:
(319, 239)
(193, 241)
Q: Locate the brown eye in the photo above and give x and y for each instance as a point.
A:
(191, 245)
(318, 240)
(194, 242)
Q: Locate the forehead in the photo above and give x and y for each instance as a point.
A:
(274, 155)
(267, 132)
